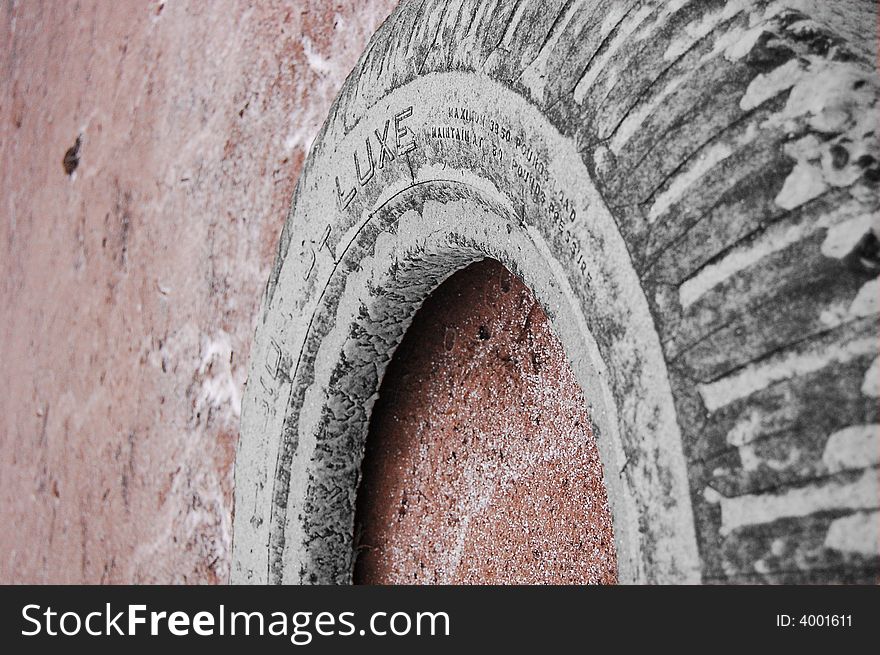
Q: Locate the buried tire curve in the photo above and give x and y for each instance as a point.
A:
(689, 189)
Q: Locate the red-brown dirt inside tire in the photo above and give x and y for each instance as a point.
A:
(481, 465)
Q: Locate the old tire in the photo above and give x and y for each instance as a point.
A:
(689, 188)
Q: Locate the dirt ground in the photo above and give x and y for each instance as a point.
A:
(149, 152)
(481, 463)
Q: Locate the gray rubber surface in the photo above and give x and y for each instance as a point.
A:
(690, 189)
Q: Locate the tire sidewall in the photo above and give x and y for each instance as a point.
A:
(470, 169)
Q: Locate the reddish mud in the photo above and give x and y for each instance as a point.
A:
(481, 466)
(150, 151)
